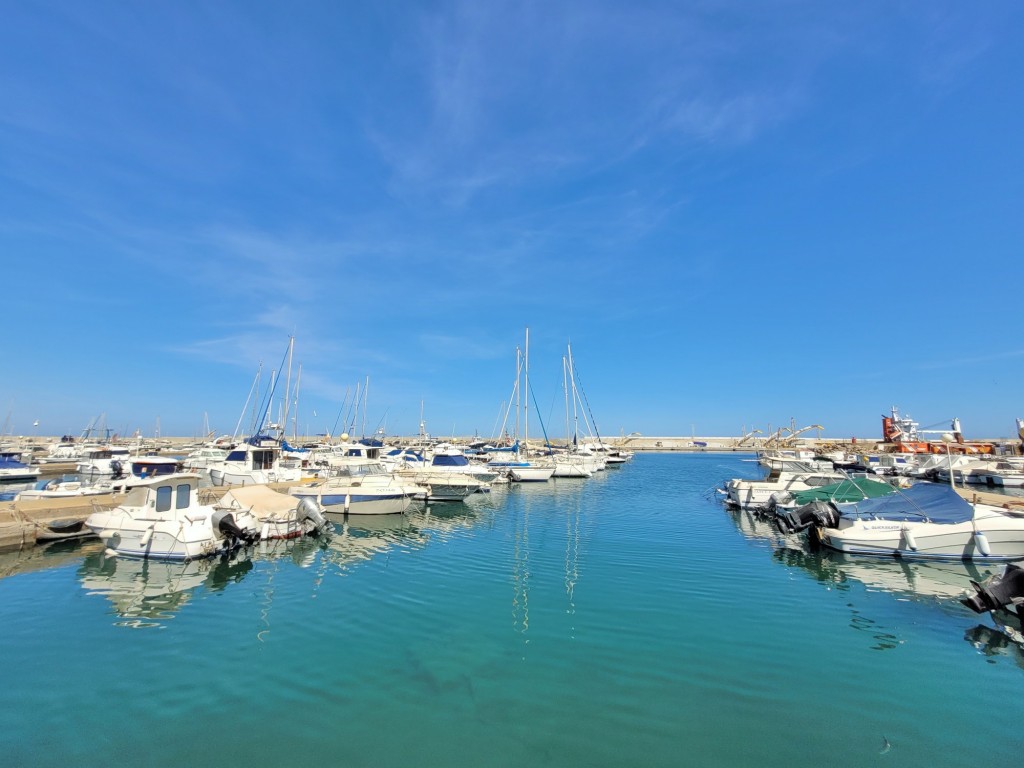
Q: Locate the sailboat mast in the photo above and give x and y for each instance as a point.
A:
(526, 384)
(366, 391)
(519, 380)
(572, 378)
(565, 389)
(295, 415)
(287, 386)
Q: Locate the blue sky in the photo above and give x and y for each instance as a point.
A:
(738, 213)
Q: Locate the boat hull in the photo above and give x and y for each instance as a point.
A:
(998, 540)
(531, 474)
(358, 502)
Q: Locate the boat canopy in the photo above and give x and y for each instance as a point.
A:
(935, 501)
(514, 448)
(856, 489)
(291, 448)
(154, 468)
(449, 460)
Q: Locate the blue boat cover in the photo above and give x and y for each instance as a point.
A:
(446, 460)
(292, 448)
(935, 501)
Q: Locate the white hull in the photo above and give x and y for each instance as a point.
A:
(356, 501)
(223, 476)
(571, 466)
(164, 540)
(26, 475)
(987, 537)
(532, 474)
(1004, 481)
(756, 493)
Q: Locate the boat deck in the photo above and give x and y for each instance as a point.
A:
(995, 499)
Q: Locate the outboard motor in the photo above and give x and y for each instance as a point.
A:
(116, 469)
(310, 510)
(998, 591)
(814, 513)
(224, 522)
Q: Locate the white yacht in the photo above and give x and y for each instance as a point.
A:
(13, 470)
(359, 486)
(755, 493)
(255, 461)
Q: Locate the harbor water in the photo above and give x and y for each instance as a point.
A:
(624, 620)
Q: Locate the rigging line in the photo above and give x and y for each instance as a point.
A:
(341, 410)
(245, 407)
(586, 401)
(270, 395)
(542, 427)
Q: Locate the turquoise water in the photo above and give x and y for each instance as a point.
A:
(625, 620)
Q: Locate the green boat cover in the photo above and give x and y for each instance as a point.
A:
(848, 490)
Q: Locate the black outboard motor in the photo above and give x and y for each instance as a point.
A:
(998, 591)
(813, 513)
(224, 522)
(116, 469)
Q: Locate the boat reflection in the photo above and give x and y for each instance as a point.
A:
(944, 582)
(359, 538)
(1005, 640)
(147, 593)
(753, 525)
(44, 556)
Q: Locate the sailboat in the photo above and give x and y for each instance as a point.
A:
(257, 459)
(570, 464)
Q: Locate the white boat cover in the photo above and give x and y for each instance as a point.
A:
(258, 498)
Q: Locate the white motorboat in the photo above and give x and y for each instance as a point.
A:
(360, 487)
(280, 515)
(255, 461)
(103, 462)
(201, 458)
(13, 470)
(755, 493)
(56, 488)
(162, 518)
(448, 459)
(441, 486)
(1004, 474)
(927, 520)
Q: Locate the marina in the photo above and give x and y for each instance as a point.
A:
(578, 621)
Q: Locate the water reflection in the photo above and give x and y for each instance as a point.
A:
(940, 584)
(44, 556)
(1005, 640)
(359, 538)
(913, 579)
(148, 593)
